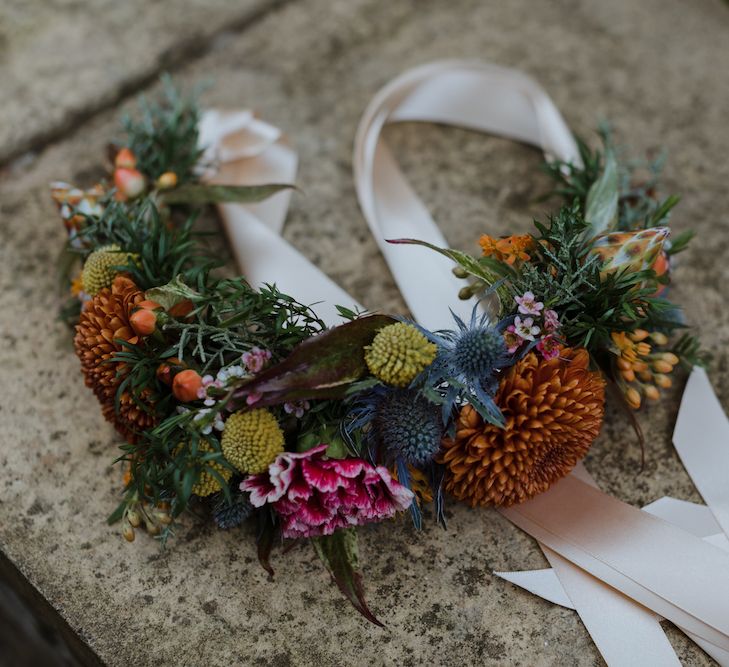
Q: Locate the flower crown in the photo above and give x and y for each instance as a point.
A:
(240, 401)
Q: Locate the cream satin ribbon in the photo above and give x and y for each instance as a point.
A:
(612, 560)
(243, 150)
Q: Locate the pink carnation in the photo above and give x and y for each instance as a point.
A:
(314, 495)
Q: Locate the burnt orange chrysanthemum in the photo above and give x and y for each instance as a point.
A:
(104, 320)
(553, 410)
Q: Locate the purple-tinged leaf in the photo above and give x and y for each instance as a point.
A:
(323, 366)
(340, 556)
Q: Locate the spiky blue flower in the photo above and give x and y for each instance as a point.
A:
(400, 427)
(467, 365)
(408, 427)
(229, 514)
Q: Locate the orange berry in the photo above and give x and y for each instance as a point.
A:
(167, 180)
(129, 182)
(186, 385)
(181, 309)
(125, 159)
(148, 305)
(143, 321)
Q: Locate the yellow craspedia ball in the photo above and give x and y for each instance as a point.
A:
(207, 484)
(98, 272)
(398, 353)
(252, 440)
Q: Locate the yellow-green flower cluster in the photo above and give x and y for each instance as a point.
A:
(398, 353)
(252, 440)
(206, 484)
(98, 271)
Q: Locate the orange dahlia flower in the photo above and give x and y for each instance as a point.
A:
(553, 410)
(103, 322)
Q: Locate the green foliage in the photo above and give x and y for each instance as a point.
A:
(339, 553)
(164, 134)
(591, 305)
(164, 249)
(637, 182)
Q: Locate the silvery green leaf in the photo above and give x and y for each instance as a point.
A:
(601, 207)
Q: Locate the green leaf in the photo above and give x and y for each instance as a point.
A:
(471, 265)
(323, 366)
(198, 193)
(339, 553)
(264, 540)
(171, 294)
(601, 206)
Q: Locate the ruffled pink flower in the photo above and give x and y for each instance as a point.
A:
(255, 359)
(315, 495)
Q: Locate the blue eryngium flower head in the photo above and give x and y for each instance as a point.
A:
(467, 365)
(408, 426)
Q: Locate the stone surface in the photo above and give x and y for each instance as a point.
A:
(653, 69)
(62, 60)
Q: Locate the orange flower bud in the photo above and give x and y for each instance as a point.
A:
(646, 376)
(661, 366)
(643, 349)
(640, 366)
(129, 182)
(186, 384)
(167, 180)
(125, 159)
(651, 393)
(632, 397)
(663, 381)
(143, 321)
(624, 365)
(670, 358)
(659, 338)
(148, 305)
(638, 335)
(628, 375)
(164, 370)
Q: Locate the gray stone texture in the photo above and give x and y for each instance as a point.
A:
(656, 69)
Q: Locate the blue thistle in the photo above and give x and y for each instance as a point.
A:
(228, 515)
(467, 365)
(408, 427)
(402, 427)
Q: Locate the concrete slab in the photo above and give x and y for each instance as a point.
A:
(62, 61)
(654, 69)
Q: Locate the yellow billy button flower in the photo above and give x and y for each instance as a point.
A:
(206, 484)
(252, 440)
(398, 353)
(98, 272)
